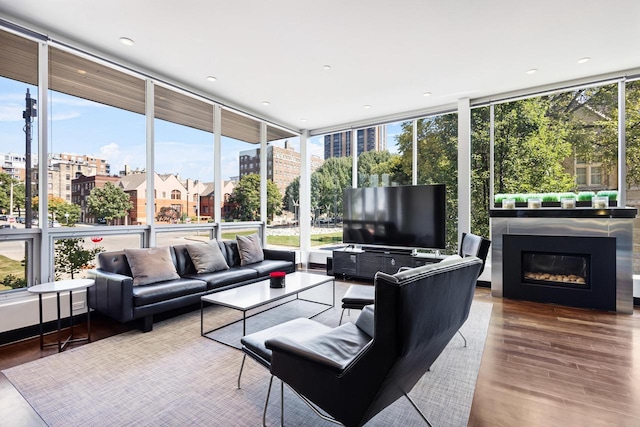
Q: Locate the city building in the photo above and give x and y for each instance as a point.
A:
(283, 164)
(81, 189)
(368, 139)
(15, 165)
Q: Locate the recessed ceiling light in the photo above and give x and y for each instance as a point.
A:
(426, 94)
(265, 103)
(83, 72)
(326, 67)
(211, 78)
(127, 41)
(583, 60)
(367, 106)
(303, 120)
(532, 71)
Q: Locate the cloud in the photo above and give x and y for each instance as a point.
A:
(11, 113)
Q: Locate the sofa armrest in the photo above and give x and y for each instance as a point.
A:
(112, 294)
(280, 254)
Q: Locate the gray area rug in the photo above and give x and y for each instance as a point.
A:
(174, 377)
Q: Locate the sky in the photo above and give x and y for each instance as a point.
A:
(78, 126)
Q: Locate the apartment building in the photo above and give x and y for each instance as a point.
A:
(369, 139)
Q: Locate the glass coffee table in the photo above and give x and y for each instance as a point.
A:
(258, 294)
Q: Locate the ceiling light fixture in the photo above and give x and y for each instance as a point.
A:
(82, 72)
(211, 78)
(265, 103)
(426, 94)
(326, 67)
(367, 106)
(127, 41)
(303, 120)
(583, 60)
(532, 71)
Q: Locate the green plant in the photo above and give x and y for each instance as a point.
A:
(550, 197)
(498, 198)
(586, 196)
(71, 257)
(567, 196)
(520, 197)
(611, 194)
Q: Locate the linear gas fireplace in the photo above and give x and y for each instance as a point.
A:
(579, 257)
(574, 271)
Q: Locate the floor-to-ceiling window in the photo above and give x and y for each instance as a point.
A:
(553, 144)
(183, 150)
(438, 164)
(480, 170)
(18, 81)
(632, 136)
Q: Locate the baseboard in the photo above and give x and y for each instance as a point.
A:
(483, 284)
(28, 332)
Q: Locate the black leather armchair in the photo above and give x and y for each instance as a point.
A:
(358, 296)
(353, 372)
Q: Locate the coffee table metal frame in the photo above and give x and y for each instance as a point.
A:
(258, 294)
(58, 287)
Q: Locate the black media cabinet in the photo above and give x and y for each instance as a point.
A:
(366, 262)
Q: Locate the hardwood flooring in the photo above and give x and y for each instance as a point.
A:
(543, 365)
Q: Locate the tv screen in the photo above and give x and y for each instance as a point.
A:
(408, 216)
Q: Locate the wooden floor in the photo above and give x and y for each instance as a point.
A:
(543, 365)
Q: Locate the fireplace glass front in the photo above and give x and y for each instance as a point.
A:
(551, 269)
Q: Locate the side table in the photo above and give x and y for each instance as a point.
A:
(58, 287)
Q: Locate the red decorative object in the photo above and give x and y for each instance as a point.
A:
(277, 279)
(96, 239)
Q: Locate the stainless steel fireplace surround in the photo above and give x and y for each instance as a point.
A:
(579, 222)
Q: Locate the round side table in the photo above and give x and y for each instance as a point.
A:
(58, 287)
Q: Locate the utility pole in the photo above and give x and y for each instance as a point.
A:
(28, 115)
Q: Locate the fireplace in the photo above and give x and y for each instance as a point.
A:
(573, 271)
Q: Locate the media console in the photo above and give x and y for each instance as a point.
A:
(364, 263)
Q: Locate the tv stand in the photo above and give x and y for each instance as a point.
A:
(365, 262)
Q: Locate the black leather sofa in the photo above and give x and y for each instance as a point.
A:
(115, 296)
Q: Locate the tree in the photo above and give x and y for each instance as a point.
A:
(291, 198)
(328, 183)
(109, 202)
(246, 199)
(168, 214)
(71, 257)
(60, 210)
(6, 182)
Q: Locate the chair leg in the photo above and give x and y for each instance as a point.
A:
(281, 404)
(241, 368)
(266, 403)
(465, 340)
(417, 409)
(340, 322)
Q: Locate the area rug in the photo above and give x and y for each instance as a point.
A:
(174, 377)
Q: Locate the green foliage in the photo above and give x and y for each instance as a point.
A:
(246, 199)
(291, 196)
(12, 282)
(5, 194)
(610, 194)
(327, 185)
(108, 202)
(71, 257)
(550, 197)
(585, 196)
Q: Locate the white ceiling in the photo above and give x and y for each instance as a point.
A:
(385, 54)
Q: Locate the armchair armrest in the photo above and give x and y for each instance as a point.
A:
(334, 350)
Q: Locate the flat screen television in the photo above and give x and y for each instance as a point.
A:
(407, 216)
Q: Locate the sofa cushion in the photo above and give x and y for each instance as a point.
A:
(207, 257)
(250, 249)
(263, 268)
(223, 278)
(150, 265)
(167, 290)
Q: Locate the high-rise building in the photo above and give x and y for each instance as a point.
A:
(369, 139)
(283, 164)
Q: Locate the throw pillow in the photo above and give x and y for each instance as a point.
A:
(250, 249)
(151, 265)
(207, 257)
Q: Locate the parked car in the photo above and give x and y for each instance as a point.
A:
(3, 217)
(20, 220)
(101, 221)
